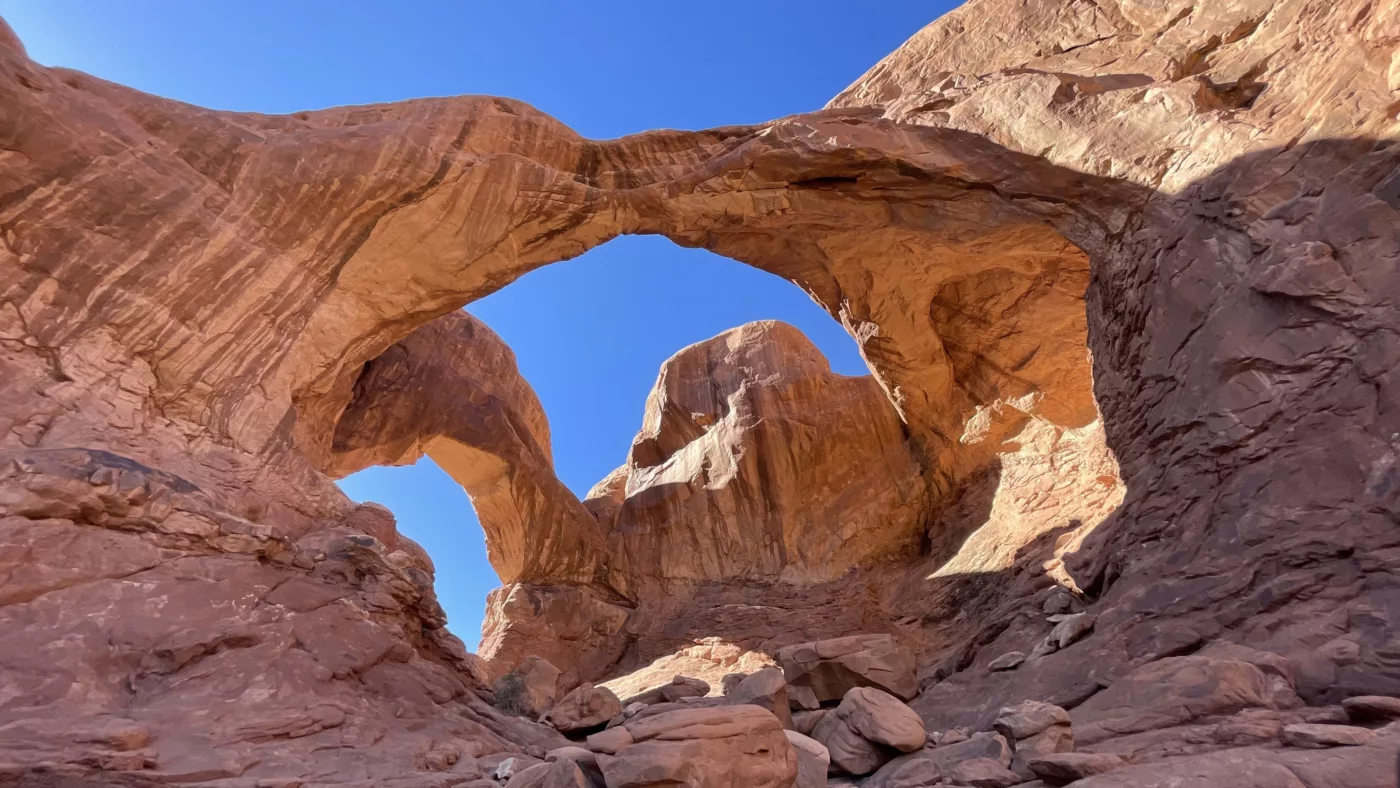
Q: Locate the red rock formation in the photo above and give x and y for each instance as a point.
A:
(756, 461)
(451, 390)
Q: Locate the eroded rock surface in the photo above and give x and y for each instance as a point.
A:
(755, 460)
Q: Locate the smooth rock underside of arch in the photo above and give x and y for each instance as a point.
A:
(1125, 277)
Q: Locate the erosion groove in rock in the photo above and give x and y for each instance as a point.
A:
(1053, 229)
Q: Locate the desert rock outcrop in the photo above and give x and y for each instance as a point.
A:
(755, 460)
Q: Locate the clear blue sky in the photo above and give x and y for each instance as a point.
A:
(590, 333)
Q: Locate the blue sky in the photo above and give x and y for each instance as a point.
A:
(589, 333)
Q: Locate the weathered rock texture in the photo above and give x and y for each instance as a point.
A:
(451, 390)
(755, 460)
(1168, 229)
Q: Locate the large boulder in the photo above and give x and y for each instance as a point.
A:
(562, 773)
(1035, 729)
(1177, 690)
(583, 708)
(679, 687)
(813, 760)
(766, 688)
(530, 689)
(927, 766)
(723, 747)
(825, 669)
(584, 758)
(984, 773)
(868, 729)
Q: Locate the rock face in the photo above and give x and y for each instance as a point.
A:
(530, 689)
(237, 648)
(755, 460)
(1054, 229)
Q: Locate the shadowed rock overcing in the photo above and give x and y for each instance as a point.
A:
(1168, 229)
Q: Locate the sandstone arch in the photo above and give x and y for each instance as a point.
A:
(489, 189)
(869, 217)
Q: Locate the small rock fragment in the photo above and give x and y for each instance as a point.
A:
(1008, 661)
(952, 736)
(1066, 767)
(1071, 628)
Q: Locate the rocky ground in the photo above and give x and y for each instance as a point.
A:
(1117, 505)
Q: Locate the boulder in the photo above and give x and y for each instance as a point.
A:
(824, 670)
(927, 766)
(766, 688)
(950, 736)
(730, 681)
(530, 689)
(867, 729)
(881, 718)
(1008, 661)
(1174, 691)
(704, 748)
(1028, 718)
(562, 773)
(1052, 740)
(804, 721)
(1034, 729)
(984, 773)
(1319, 736)
(680, 687)
(584, 708)
(1070, 628)
(813, 760)
(512, 766)
(1066, 767)
(850, 752)
(610, 740)
(1372, 708)
(585, 759)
